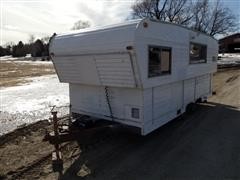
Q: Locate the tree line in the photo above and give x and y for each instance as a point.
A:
(37, 48)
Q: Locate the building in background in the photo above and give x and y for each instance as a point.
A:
(230, 44)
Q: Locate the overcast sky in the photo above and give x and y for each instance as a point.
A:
(20, 18)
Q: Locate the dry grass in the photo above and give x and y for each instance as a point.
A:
(14, 73)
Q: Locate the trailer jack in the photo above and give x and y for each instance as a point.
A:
(81, 129)
(57, 162)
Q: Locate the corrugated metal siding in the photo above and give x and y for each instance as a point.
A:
(115, 70)
(77, 69)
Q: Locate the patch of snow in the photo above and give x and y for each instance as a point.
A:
(32, 102)
(229, 59)
(234, 55)
(10, 58)
(34, 62)
(7, 58)
(30, 62)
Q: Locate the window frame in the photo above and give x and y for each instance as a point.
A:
(197, 62)
(170, 59)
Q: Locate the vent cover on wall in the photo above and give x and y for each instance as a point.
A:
(135, 113)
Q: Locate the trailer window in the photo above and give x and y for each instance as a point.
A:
(198, 53)
(159, 61)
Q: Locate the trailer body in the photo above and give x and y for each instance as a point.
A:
(141, 73)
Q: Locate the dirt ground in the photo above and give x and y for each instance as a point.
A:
(203, 144)
(13, 73)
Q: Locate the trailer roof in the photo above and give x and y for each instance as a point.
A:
(111, 38)
(101, 28)
(126, 23)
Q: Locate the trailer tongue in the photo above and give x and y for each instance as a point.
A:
(73, 129)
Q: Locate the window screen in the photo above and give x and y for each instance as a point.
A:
(159, 61)
(198, 53)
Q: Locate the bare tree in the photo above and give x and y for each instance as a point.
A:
(213, 18)
(150, 8)
(31, 39)
(179, 11)
(80, 25)
(220, 21)
(202, 15)
(176, 11)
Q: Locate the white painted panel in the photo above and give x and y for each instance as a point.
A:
(107, 70)
(177, 38)
(121, 63)
(162, 97)
(166, 99)
(148, 105)
(189, 88)
(203, 85)
(94, 40)
(77, 69)
(177, 95)
(92, 100)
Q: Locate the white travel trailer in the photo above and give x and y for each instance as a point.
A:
(140, 73)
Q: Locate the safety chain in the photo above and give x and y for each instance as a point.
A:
(108, 102)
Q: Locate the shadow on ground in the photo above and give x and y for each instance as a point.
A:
(203, 144)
